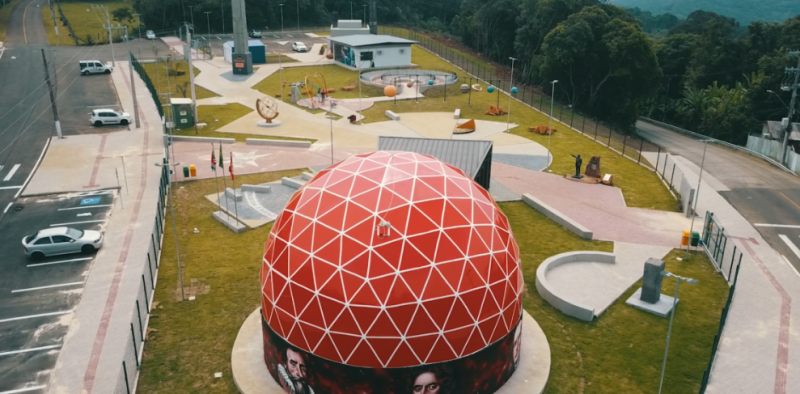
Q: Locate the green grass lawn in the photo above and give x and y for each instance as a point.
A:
(619, 353)
(85, 21)
(217, 116)
(405, 33)
(323, 34)
(641, 187)
(273, 58)
(5, 13)
(158, 75)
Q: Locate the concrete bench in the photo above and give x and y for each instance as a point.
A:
(229, 221)
(558, 217)
(391, 115)
(307, 176)
(457, 114)
(257, 188)
(292, 182)
(234, 194)
(200, 139)
(264, 141)
(558, 301)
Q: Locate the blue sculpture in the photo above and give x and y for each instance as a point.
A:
(490, 89)
(514, 90)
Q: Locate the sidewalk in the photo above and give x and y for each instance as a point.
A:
(91, 357)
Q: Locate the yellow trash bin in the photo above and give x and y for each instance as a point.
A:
(685, 238)
(192, 171)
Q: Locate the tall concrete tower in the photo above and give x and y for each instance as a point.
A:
(373, 17)
(241, 58)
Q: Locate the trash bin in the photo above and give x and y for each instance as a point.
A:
(695, 238)
(185, 171)
(685, 238)
(192, 171)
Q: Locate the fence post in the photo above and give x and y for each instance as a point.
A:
(665, 164)
(596, 126)
(610, 131)
(135, 352)
(641, 145)
(144, 290)
(658, 160)
(561, 114)
(671, 176)
(150, 268)
(571, 118)
(141, 327)
(125, 372)
(583, 127)
(541, 102)
(624, 142)
(733, 257)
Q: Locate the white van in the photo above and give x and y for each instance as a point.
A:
(95, 67)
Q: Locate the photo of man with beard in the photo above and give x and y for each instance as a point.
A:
(293, 373)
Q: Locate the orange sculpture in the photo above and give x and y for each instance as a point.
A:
(466, 127)
(495, 110)
(542, 130)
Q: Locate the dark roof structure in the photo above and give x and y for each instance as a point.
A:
(471, 156)
(773, 129)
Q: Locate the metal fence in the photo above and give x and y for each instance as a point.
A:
(715, 243)
(536, 97)
(65, 22)
(150, 87)
(131, 361)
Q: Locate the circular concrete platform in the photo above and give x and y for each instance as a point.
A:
(251, 376)
(263, 123)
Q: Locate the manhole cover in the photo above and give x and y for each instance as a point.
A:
(18, 208)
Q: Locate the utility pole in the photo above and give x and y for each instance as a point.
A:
(108, 27)
(191, 73)
(364, 22)
(52, 96)
(282, 36)
(208, 23)
(373, 18)
(139, 25)
(788, 129)
(133, 92)
(222, 7)
(191, 11)
(52, 14)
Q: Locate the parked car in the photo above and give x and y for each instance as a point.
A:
(109, 116)
(255, 33)
(61, 240)
(151, 35)
(299, 47)
(95, 67)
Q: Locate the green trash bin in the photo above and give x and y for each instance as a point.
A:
(185, 171)
(695, 240)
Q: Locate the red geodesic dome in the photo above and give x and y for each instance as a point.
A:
(440, 282)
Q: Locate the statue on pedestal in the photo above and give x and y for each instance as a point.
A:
(578, 163)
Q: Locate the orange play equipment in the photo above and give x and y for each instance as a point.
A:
(316, 80)
(495, 110)
(464, 128)
(542, 130)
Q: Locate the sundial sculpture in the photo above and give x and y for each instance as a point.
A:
(267, 107)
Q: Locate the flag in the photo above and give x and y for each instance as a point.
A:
(213, 159)
(221, 158)
(230, 168)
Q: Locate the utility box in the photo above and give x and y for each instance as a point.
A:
(182, 112)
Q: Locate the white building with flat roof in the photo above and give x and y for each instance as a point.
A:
(348, 27)
(371, 51)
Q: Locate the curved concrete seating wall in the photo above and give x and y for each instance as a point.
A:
(547, 292)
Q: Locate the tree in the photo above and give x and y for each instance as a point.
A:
(123, 14)
(674, 55)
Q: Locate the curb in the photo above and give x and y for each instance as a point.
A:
(265, 141)
(200, 139)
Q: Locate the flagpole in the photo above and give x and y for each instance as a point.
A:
(224, 184)
(216, 181)
(233, 182)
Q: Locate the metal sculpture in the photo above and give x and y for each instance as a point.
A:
(267, 107)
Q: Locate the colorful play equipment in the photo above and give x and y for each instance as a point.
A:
(490, 89)
(514, 90)
(315, 82)
(464, 128)
(390, 91)
(495, 110)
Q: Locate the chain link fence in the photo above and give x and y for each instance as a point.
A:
(150, 87)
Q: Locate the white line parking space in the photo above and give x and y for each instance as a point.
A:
(776, 225)
(71, 223)
(35, 316)
(35, 349)
(24, 390)
(790, 244)
(47, 287)
(11, 173)
(58, 262)
(10, 187)
(84, 207)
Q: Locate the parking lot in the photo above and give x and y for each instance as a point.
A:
(37, 297)
(272, 42)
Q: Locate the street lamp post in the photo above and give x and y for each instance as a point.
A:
(364, 22)
(351, 10)
(671, 318)
(222, 7)
(298, 16)
(696, 197)
(511, 86)
(282, 36)
(174, 227)
(191, 11)
(550, 127)
(208, 23)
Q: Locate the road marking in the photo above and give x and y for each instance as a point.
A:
(11, 173)
(776, 225)
(790, 200)
(85, 214)
(790, 244)
(102, 106)
(86, 221)
(58, 262)
(33, 349)
(8, 206)
(35, 316)
(84, 207)
(25, 390)
(41, 155)
(2, 50)
(10, 187)
(790, 265)
(46, 287)
(25, 33)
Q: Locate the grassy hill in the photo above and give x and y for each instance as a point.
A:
(743, 11)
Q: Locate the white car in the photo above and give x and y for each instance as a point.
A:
(299, 47)
(95, 67)
(109, 116)
(61, 240)
(151, 35)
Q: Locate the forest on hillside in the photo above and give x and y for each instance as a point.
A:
(744, 11)
(706, 72)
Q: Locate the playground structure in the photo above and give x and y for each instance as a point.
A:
(466, 127)
(314, 87)
(421, 79)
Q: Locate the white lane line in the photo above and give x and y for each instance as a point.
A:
(33, 349)
(46, 287)
(10, 187)
(84, 207)
(11, 173)
(8, 206)
(58, 262)
(35, 167)
(85, 214)
(790, 265)
(86, 221)
(35, 316)
(776, 225)
(25, 390)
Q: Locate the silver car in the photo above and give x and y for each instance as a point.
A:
(61, 240)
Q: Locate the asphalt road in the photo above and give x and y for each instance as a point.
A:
(767, 197)
(37, 296)
(271, 42)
